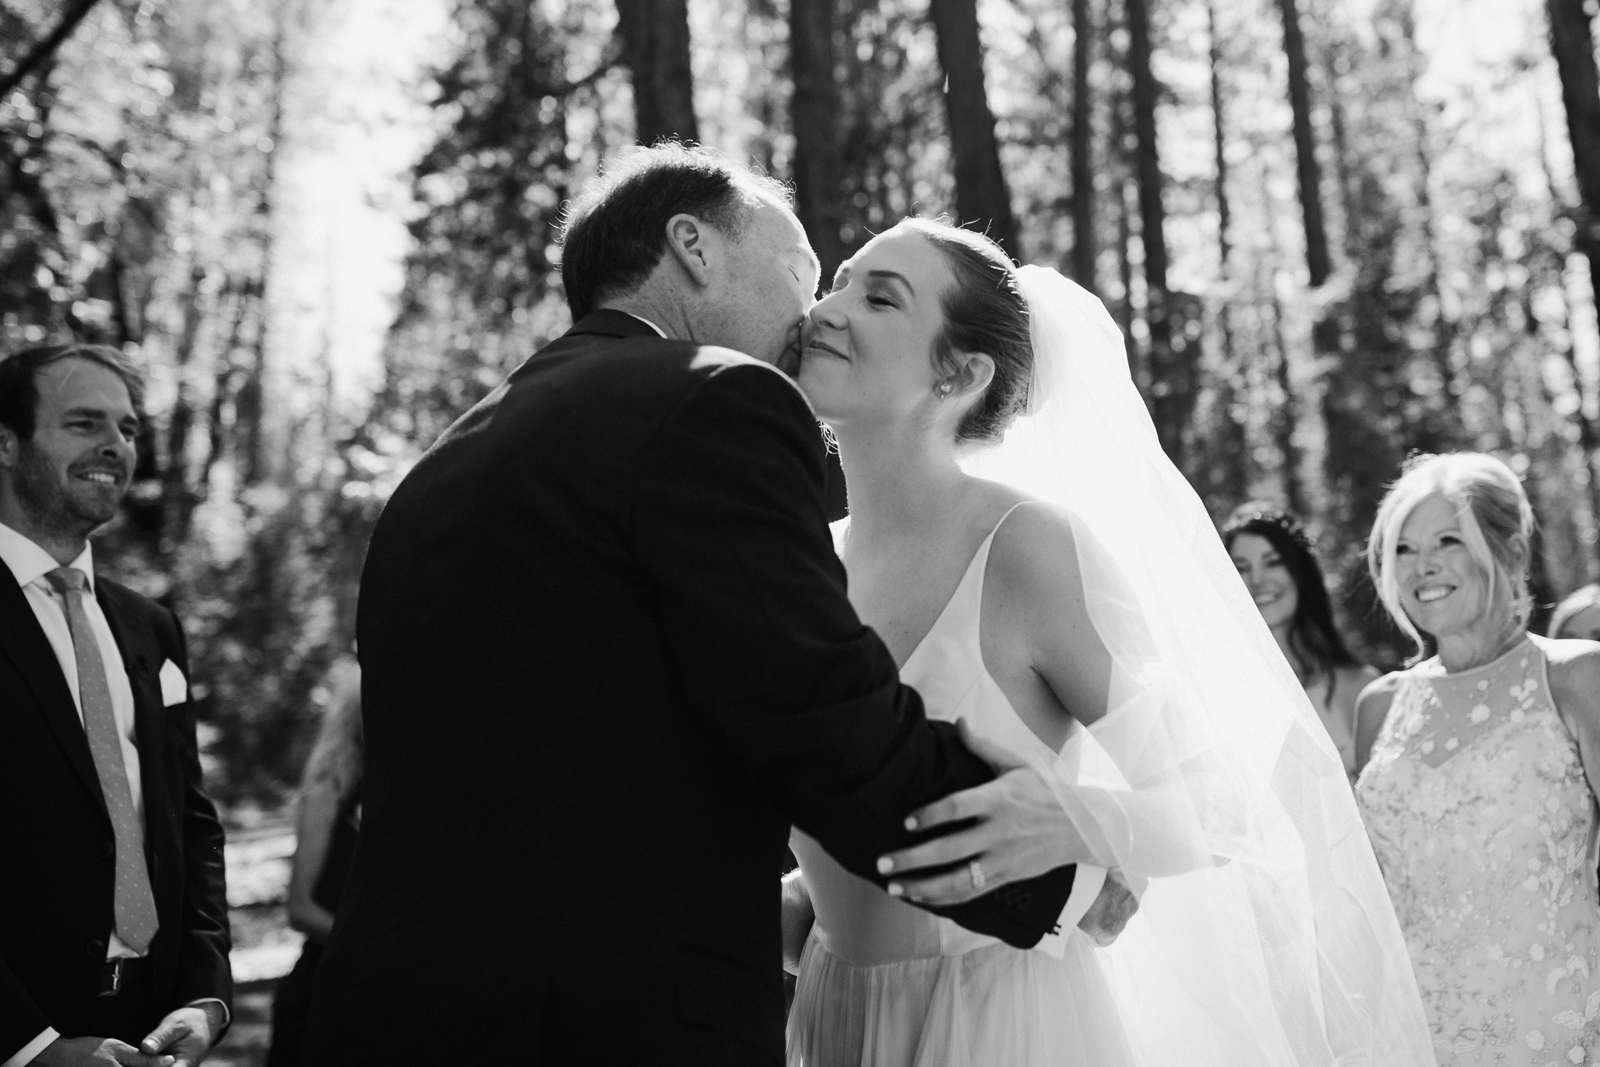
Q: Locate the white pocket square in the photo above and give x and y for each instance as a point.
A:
(174, 686)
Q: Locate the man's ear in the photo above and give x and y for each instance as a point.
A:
(694, 246)
(10, 446)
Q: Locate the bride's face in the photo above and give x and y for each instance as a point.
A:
(869, 357)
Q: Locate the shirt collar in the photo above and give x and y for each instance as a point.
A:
(29, 562)
(646, 321)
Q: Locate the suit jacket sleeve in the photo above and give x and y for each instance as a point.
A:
(203, 968)
(20, 1018)
(730, 524)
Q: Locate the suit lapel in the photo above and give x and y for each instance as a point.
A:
(23, 642)
(141, 660)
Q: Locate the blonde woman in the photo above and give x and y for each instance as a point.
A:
(1478, 796)
(327, 821)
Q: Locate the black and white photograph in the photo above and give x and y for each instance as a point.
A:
(800, 533)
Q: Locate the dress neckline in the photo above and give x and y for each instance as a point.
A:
(1433, 669)
(975, 566)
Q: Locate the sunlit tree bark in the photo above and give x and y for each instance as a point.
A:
(816, 108)
(1572, 42)
(1230, 455)
(1172, 373)
(1307, 170)
(39, 55)
(1083, 198)
(656, 48)
(982, 199)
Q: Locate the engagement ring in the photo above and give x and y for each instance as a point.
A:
(975, 869)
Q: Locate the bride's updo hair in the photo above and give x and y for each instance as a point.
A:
(984, 311)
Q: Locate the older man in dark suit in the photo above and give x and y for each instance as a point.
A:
(113, 915)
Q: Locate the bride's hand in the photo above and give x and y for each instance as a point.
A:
(1020, 832)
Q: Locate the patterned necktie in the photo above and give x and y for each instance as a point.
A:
(133, 904)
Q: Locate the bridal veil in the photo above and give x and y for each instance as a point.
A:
(1266, 935)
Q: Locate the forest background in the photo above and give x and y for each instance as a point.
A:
(1334, 232)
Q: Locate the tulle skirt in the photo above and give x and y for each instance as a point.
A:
(992, 1006)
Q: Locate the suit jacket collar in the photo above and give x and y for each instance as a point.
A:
(25, 645)
(609, 322)
(23, 642)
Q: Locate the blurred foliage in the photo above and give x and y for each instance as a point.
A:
(139, 204)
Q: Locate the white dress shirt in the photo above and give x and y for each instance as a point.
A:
(29, 564)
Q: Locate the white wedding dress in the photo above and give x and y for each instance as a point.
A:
(885, 984)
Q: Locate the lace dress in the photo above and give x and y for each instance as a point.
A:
(884, 984)
(1484, 824)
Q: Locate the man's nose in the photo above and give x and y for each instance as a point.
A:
(118, 446)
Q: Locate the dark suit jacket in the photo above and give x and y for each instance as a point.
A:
(55, 835)
(607, 661)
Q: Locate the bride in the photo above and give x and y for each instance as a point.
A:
(1075, 609)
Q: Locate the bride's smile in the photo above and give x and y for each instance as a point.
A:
(870, 354)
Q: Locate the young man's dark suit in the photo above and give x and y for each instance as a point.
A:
(56, 840)
(607, 661)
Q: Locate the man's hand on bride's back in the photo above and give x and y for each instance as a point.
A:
(1019, 832)
(1111, 910)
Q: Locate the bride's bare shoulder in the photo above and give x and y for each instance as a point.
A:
(1035, 556)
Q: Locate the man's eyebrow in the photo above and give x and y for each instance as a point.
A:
(101, 413)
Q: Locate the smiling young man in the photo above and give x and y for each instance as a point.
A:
(113, 917)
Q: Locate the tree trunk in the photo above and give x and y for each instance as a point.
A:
(818, 176)
(1219, 143)
(1448, 413)
(656, 48)
(1083, 242)
(1233, 447)
(177, 496)
(982, 199)
(1172, 376)
(46, 48)
(1588, 438)
(1572, 41)
(250, 403)
(1286, 418)
(1309, 172)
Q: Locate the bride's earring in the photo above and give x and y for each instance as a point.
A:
(944, 388)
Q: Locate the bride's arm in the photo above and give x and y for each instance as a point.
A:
(1095, 661)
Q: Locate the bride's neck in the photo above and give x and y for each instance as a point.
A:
(896, 480)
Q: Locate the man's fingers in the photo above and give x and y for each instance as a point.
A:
(131, 1057)
(163, 1036)
(999, 757)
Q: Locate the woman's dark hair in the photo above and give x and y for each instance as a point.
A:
(984, 311)
(19, 386)
(1312, 636)
(614, 234)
